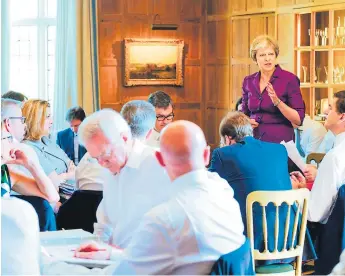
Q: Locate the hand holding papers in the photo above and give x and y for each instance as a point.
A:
(294, 154)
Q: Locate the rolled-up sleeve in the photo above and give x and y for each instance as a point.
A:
(295, 99)
(245, 97)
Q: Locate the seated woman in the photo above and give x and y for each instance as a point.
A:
(53, 159)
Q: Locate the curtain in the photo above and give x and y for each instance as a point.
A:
(87, 55)
(5, 46)
(76, 71)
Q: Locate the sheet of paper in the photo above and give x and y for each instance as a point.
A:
(75, 236)
(65, 253)
(294, 154)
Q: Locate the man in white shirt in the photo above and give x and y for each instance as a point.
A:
(19, 238)
(138, 182)
(164, 115)
(188, 233)
(312, 134)
(331, 172)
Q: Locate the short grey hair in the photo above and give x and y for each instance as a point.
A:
(140, 116)
(107, 122)
(6, 107)
(235, 125)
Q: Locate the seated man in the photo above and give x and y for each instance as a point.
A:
(331, 172)
(68, 139)
(137, 182)
(251, 165)
(19, 238)
(188, 233)
(311, 135)
(164, 115)
(13, 95)
(24, 175)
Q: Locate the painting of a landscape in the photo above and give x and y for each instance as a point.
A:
(153, 62)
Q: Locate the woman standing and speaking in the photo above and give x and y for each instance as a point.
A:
(271, 97)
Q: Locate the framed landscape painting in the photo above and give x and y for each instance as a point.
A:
(153, 62)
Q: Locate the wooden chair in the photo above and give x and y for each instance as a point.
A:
(294, 199)
(316, 157)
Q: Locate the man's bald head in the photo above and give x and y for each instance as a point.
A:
(183, 147)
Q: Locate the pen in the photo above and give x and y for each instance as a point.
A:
(101, 249)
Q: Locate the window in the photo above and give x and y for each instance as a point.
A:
(32, 49)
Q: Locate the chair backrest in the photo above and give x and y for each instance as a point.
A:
(296, 202)
(316, 157)
(238, 262)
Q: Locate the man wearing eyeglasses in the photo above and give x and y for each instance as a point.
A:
(164, 115)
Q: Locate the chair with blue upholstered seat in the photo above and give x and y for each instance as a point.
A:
(283, 233)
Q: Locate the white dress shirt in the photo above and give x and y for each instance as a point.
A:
(153, 140)
(141, 185)
(185, 235)
(90, 175)
(19, 238)
(76, 149)
(330, 176)
(327, 143)
(312, 135)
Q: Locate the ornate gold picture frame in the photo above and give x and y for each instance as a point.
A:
(153, 62)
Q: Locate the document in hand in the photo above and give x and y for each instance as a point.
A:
(294, 154)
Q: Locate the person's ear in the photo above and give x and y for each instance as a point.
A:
(148, 134)
(7, 125)
(207, 153)
(124, 136)
(160, 158)
(228, 140)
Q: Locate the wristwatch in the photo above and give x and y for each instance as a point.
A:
(277, 103)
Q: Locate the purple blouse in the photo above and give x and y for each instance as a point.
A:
(273, 126)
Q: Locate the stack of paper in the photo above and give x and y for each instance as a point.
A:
(294, 154)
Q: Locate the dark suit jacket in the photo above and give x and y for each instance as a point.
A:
(65, 140)
(250, 166)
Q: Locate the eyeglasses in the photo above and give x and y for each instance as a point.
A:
(104, 154)
(23, 119)
(162, 117)
(9, 138)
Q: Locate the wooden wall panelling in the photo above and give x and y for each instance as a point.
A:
(136, 7)
(270, 25)
(120, 19)
(211, 128)
(110, 43)
(239, 72)
(285, 23)
(240, 41)
(253, 5)
(168, 8)
(269, 4)
(191, 9)
(256, 27)
(281, 3)
(211, 93)
(238, 6)
(110, 7)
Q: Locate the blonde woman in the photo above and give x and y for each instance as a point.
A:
(271, 97)
(53, 159)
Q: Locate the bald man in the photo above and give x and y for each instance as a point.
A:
(188, 233)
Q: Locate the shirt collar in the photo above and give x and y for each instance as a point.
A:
(189, 179)
(135, 156)
(276, 74)
(340, 138)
